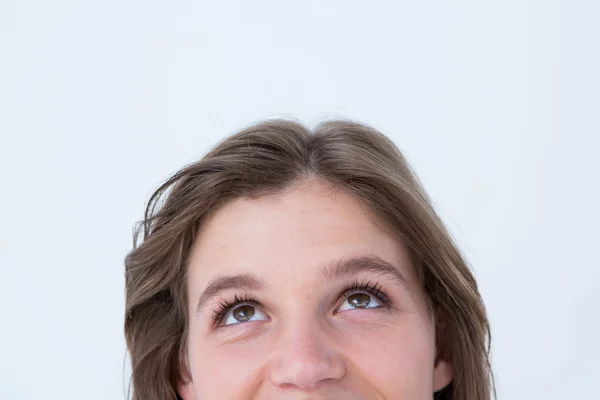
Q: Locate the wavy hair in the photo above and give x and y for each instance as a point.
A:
(265, 158)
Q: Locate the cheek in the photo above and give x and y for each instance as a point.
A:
(222, 370)
(396, 360)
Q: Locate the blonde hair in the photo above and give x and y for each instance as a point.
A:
(264, 159)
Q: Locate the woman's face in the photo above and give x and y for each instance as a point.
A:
(302, 296)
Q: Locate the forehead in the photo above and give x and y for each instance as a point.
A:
(301, 228)
(309, 205)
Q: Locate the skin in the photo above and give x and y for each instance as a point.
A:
(304, 341)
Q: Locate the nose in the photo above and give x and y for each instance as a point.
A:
(304, 359)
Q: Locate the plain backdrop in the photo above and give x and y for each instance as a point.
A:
(495, 104)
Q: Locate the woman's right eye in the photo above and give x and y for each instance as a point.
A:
(243, 313)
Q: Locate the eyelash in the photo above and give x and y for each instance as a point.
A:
(375, 290)
(365, 286)
(225, 306)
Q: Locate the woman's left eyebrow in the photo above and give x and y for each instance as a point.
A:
(369, 263)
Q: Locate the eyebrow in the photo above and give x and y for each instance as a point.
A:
(353, 266)
(338, 269)
(247, 282)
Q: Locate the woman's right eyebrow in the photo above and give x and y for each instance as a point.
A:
(338, 269)
(244, 282)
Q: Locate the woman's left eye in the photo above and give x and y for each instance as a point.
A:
(360, 300)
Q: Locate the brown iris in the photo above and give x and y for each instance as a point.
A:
(243, 313)
(359, 300)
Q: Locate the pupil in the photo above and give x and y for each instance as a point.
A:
(359, 300)
(243, 313)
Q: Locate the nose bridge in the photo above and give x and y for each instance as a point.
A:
(305, 337)
(304, 353)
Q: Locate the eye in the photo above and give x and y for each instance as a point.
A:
(360, 300)
(364, 295)
(243, 313)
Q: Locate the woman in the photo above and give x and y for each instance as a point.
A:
(298, 264)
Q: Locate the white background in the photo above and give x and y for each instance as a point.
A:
(495, 103)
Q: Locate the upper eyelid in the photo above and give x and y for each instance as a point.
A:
(366, 286)
(249, 299)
